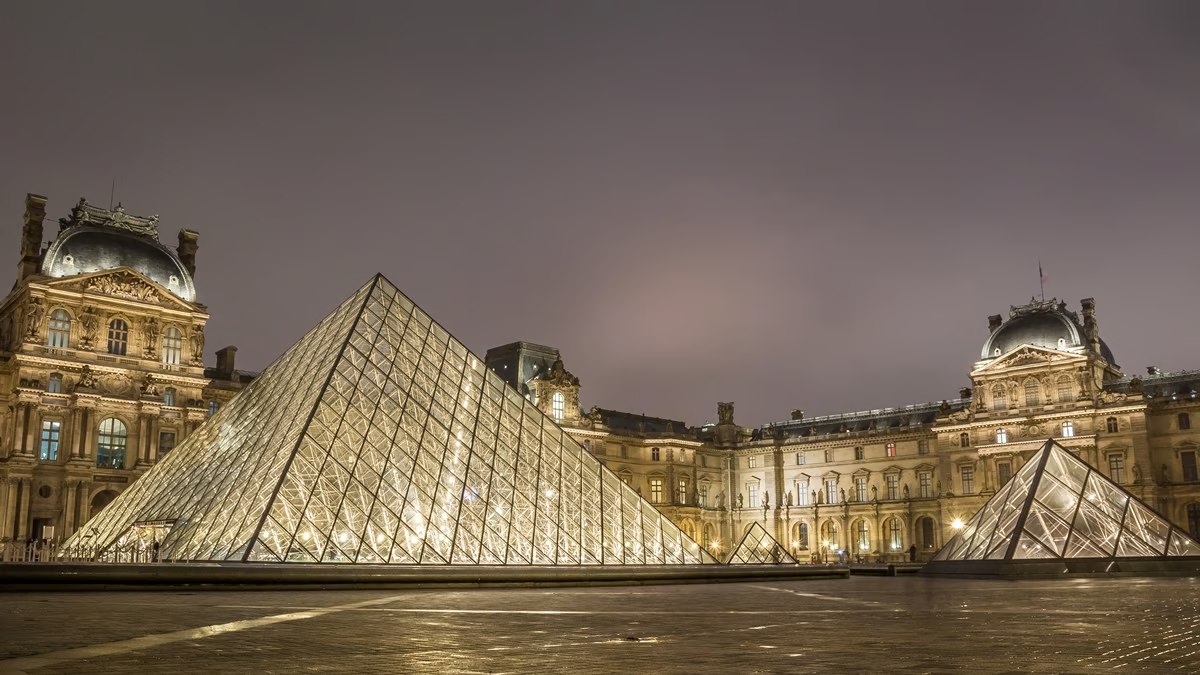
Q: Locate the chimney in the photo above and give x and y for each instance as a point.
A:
(225, 361)
(797, 414)
(187, 250)
(994, 322)
(31, 236)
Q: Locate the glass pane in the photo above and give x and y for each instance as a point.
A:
(1057, 498)
(1098, 529)
(1029, 548)
(1132, 547)
(1080, 547)
(1182, 545)
(1067, 468)
(1047, 527)
(1147, 526)
(1105, 496)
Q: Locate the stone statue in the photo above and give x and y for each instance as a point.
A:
(739, 501)
(843, 495)
(149, 388)
(89, 319)
(939, 487)
(150, 330)
(766, 500)
(87, 379)
(906, 490)
(789, 497)
(725, 413)
(1137, 472)
(33, 319)
(1166, 474)
(1135, 385)
(874, 493)
(197, 339)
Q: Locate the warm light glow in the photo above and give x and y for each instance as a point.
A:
(957, 524)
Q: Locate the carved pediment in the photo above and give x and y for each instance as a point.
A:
(124, 283)
(861, 473)
(1027, 356)
(893, 469)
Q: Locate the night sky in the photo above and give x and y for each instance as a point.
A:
(782, 204)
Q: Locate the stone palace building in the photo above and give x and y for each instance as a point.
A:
(101, 365)
(102, 373)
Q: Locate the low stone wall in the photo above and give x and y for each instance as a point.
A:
(108, 576)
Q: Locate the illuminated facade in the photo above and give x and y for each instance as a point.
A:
(101, 365)
(379, 438)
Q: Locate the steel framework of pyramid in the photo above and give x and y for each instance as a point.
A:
(379, 438)
(1057, 509)
(758, 547)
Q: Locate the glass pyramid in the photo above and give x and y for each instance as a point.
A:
(758, 547)
(379, 438)
(1058, 507)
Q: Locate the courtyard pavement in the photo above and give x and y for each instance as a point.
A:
(861, 624)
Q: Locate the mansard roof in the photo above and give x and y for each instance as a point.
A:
(879, 419)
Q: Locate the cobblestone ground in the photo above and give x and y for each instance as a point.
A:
(860, 624)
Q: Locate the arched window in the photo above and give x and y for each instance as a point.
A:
(829, 535)
(999, 398)
(557, 404)
(1185, 421)
(1066, 390)
(172, 348)
(1110, 425)
(800, 536)
(894, 542)
(59, 335)
(110, 447)
(1033, 393)
(862, 538)
(54, 386)
(928, 541)
(964, 439)
(118, 337)
(169, 396)
(1068, 429)
(1001, 435)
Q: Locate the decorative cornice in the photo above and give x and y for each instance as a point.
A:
(1035, 444)
(86, 214)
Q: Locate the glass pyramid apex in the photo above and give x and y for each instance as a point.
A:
(379, 438)
(1057, 507)
(758, 547)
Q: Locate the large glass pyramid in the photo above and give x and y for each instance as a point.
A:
(1057, 507)
(758, 547)
(379, 438)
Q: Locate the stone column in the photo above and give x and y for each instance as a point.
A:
(10, 501)
(71, 507)
(76, 437)
(85, 434)
(32, 425)
(19, 428)
(23, 518)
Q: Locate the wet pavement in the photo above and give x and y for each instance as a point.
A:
(861, 624)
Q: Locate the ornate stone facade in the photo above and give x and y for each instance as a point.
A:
(101, 370)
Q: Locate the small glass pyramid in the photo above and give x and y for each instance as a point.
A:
(758, 547)
(1058, 507)
(379, 438)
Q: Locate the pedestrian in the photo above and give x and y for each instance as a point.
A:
(912, 553)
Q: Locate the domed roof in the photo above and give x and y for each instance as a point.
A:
(95, 240)
(1040, 324)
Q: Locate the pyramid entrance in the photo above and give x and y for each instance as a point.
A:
(758, 547)
(1060, 515)
(379, 438)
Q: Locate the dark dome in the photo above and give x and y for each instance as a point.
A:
(83, 248)
(1052, 329)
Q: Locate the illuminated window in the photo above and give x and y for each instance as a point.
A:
(1189, 466)
(891, 449)
(752, 490)
(831, 491)
(799, 458)
(858, 452)
(172, 347)
(213, 407)
(802, 493)
(893, 487)
(703, 495)
(1033, 395)
(802, 536)
(656, 490)
(558, 403)
(829, 534)
(1001, 436)
(864, 536)
(59, 335)
(751, 462)
(118, 337)
(1068, 429)
(1004, 472)
(169, 396)
(860, 489)
(50, 433)
(894, 542)
(1116, 468)
(1185, 421)
(54, 385)
(968, 479)
(1110, 425)
(683, 491)
(110, 446)
(925, 484)
(166, 443)
(999, 398)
